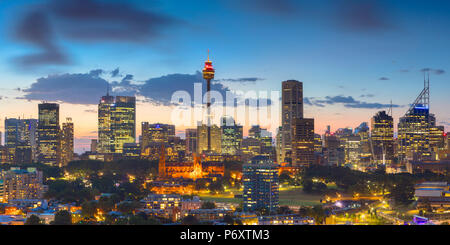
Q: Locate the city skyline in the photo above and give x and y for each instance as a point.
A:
(366, 65)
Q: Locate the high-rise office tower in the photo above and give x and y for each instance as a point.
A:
(364, 133)
(267, 147)
(157, 132)
(254, 132)
(292, 107)
(261, 185)
(302, 141)
(116, 123)
(202, 139)
(94, 145)
(352, 150)
(382, 138)
(191, 141)
(318, 144)
(155, 135)
(414, 129)
(279, 145)
(48, 135)
(20, 139)
(67, 142)
(334, 154)
(231, 136)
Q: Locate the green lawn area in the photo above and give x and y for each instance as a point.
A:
(288, 196)
(296, 197)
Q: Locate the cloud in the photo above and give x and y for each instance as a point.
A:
(347, 101)
(80, 88)
(367, 15)
(365, 105)
(383, 78)
(435, 71)
(240, 80)
(367, 95)
(35, 29)
(115, 72)
(272, 7)
(86, 21)
(87, 88)
(160, 89)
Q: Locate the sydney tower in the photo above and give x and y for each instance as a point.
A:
(208, 75)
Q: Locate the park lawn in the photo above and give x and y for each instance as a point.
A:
(288, 197)
(296, 197)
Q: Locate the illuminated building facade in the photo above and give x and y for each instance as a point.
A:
(352, 149)
(202, 140)
(188, 170)
(94, 144)
(318, 144)
(254, 132)
(250, 147)
(19, 183)
(191, 141)
(261, 185)
(382, 138)
(291, 108)
(267, 147)
(156, 132)
(48, 134)
(116, 123)
(302, 141)
(67, 147)
(131, 151)
(20, 139)
(413, 134)
(366, 150)
(334, 154)
(231, 136)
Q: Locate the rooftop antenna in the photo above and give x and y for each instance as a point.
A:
(390, 109)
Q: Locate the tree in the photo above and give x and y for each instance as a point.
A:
(228, 219)
(106, 204)
(403, 193)
(284, 210)
(33, 220)
(307, 186)
(62, 218)
(284, 177)
(89, 209)
(216, 186)
(127, 207)
(208, 205)
(190, 220)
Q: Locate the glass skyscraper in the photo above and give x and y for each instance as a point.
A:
(48, 132)
(261, 185)
(116, 123)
